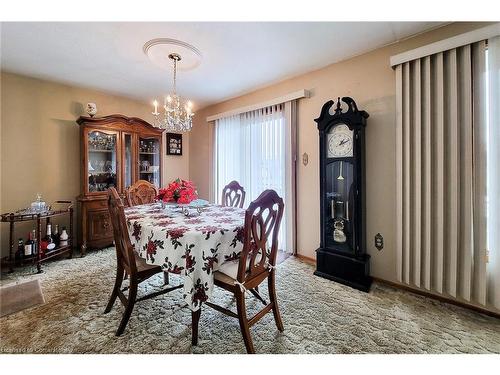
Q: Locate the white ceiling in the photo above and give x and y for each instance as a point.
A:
(237, 57)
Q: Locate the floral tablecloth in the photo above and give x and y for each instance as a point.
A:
(193, 247)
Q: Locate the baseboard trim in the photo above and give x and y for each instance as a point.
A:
(437, 297)
(312, 261)
(306, 259)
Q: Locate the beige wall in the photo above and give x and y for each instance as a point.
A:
(40, 141)
(368, 79)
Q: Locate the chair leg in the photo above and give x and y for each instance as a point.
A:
(116, 288)
(242, 317)
(132, 295)
(166, 280)
(274, 300)
(195, 319)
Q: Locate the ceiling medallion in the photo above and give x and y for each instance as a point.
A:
(176, 114)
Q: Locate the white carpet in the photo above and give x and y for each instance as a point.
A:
(319, 316)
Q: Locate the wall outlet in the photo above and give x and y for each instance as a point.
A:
(379, 241)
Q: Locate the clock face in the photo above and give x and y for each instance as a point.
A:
(340, 142)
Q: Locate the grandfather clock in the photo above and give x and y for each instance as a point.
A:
(342, 253)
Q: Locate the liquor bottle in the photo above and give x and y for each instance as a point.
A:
(34, 244)
(28, 246)
(64, 237)
(55, 235)
(50, 245)
(20, 251)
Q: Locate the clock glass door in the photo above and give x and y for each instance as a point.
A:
(339, 205)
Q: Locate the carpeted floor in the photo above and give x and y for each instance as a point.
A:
(320, 316)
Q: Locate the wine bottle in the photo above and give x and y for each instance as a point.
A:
(28, 246)
(34, 243)
(55, 235)
(20, 251)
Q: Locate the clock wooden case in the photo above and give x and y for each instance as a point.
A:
(117, 151)
(342, 253)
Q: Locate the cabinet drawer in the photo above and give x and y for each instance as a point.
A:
(97, 204)
(99, 225)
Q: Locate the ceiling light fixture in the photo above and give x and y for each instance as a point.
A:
(177, 112)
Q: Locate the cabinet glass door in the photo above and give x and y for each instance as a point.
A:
(149, 160)
(102, 160)
(127, 160)
(339, 205)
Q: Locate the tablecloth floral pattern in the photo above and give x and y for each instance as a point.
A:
(194, 246)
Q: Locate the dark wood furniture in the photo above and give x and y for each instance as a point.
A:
(128, 263)
(342, 253)
(141, 192)
(256, 263)
(38, 258)
(117, 151)
(233, 195)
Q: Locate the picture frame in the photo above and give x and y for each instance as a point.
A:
(174, 144)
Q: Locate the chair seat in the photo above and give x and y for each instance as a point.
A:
(223, 278)
(230, 268)
(142, 266)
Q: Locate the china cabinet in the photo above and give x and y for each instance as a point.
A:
(116, 152)
(342, 253)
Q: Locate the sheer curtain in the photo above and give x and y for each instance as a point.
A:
(493, 184)
(255, 149)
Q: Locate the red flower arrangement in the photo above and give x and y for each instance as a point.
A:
(179, 191)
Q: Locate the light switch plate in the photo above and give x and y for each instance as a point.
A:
(305, 158)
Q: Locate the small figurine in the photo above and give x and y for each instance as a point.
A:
(91, 109)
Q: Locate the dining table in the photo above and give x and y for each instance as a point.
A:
(191, 242)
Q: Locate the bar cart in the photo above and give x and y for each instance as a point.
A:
(38, 258)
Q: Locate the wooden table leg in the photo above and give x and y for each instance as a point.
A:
(195, 318)
(39, 245)
(70, 241)
(11, 247)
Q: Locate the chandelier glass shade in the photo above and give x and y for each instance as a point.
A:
(177, 112)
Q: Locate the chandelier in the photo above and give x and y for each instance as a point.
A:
(177, 113)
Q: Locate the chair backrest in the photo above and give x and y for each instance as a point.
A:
(141, 192)
(124, 248)
(233, 195)
(262, 225)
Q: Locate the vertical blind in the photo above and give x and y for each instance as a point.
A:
(442, 207)
(253, 148)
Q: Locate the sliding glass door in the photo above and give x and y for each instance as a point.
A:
(251, 149)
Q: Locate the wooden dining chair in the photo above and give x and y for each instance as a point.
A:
(256, 263)
(127, 261)
(233, 195)
(141, 192)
